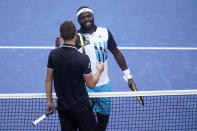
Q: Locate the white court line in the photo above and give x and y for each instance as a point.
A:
(121, 48)
(158, 48)
(27, 47)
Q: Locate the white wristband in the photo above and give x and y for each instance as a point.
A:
(127, 74)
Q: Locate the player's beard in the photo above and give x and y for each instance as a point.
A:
(88, 26)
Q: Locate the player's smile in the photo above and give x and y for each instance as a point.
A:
(88, 24)
(86, 19)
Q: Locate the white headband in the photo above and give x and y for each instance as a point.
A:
(84, 10)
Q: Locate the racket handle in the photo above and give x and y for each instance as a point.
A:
(131, 86)
(134, 89)
(39, 119)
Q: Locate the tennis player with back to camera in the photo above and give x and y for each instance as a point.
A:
(70, 70)
(94, 41)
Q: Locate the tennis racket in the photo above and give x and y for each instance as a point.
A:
(42, 117)
(133, 88)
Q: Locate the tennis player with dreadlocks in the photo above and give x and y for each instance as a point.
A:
(94, 41)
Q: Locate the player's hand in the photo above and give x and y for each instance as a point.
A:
(50, 107)
(58, 42)
(100, 66)
(131, 82)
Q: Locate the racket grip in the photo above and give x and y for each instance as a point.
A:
(131, 86)
(39, 119)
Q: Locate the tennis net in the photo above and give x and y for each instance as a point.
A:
(162, 111)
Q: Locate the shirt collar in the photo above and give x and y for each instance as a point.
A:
(69, 46)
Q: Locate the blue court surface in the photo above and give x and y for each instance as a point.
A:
(157, 38)
(29, 23)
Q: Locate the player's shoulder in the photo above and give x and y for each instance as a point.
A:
(56, 51)
(81, 55)
(102, 30)
(53, 51)
(83, 58)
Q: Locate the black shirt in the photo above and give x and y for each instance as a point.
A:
(69, 66)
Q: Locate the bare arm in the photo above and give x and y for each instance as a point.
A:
(121, 62)
(91, 80)
(48, 86)
(119, 58)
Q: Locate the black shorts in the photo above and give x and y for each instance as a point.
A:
(72, 120)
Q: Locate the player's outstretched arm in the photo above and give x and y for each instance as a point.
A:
(122, 63)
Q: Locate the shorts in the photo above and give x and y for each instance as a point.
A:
(101, 105)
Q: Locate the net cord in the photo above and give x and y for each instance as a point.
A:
(106, 94)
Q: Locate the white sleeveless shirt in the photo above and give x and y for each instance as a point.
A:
(95, 45)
